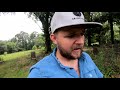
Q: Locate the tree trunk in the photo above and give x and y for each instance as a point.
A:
(111, 28)
(89, 31)
(99, 39)
(89, 37)
(47, 35)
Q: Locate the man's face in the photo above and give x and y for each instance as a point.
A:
(70, 42)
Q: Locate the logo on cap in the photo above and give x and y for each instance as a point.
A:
(77, 13)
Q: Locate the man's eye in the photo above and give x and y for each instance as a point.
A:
(70, 36)
(82, 34)
(75, 35)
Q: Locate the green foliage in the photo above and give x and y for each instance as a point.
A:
(34, 47)
(107, 60)
(3, 47)
(42, 48)
(17, 67)
(21, 42)
(1, 58)
(11, 47)
(45, 18)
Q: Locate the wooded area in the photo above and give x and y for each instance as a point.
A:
(103, 44)
(109, 34)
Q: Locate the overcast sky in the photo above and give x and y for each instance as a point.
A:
(12, 24)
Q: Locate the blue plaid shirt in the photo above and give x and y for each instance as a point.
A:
(50, 67)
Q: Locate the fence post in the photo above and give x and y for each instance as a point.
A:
(33, 56)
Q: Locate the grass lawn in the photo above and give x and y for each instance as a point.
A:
(16, 65)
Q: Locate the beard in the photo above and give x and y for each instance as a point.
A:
(71, 54)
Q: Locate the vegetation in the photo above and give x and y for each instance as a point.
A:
(103, 44)
(17, 67)
(45, 18)
(22, 42)
(17, 55)
(107, 59)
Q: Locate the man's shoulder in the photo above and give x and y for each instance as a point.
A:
(87, 58)
(86, 55)
(47, 60)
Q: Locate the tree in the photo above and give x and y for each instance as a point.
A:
(11, 47)
(111, 26)
(45, 18)
(40, 41)
(88, 18)
(3, 47)
(22, 39)
(111, 17)
(32, 39)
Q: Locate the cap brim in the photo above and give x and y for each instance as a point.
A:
(87, 25)
(91, 24)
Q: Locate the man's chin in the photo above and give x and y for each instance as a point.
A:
(77, 55)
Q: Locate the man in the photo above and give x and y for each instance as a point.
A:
(68, 59)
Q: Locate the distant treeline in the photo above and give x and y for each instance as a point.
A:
(22, 42)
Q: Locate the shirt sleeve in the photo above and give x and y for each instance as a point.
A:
(97, 71)
(35, 73)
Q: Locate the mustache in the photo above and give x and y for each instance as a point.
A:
(77, 47)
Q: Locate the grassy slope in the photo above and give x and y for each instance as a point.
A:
(17, 66)
(15, 55)
(107, 61)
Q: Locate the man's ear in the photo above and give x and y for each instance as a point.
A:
(53, 38)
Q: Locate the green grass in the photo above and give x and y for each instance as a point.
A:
(17, 66)
(16, 55)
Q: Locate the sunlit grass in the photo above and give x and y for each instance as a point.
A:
(16, 55)
(16, 68)
(17, 65)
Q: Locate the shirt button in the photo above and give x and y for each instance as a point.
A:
(71, 68)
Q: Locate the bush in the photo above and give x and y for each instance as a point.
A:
(34, 47)
(107, 61)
